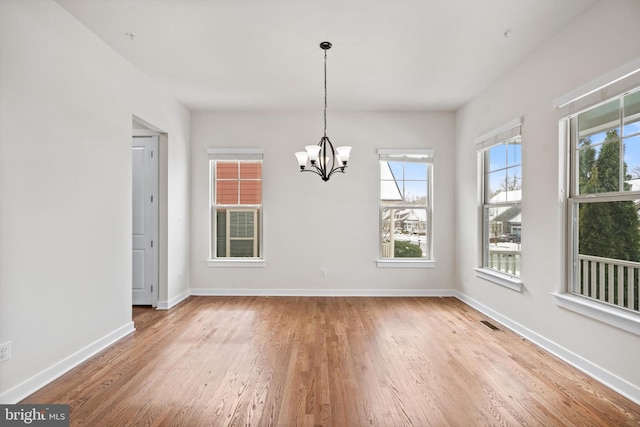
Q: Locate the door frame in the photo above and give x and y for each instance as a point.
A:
(141, 127)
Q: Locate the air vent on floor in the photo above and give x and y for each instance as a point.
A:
(489, 325)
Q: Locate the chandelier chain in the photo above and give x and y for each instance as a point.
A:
(325, 93)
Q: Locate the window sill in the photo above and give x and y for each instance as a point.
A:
(254, 263)
(619, 318)
(414, 263)
(511, 282)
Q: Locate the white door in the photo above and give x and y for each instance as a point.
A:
(145, 220)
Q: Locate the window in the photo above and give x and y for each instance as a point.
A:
(604, 201)
(405, 205)
(236, 204)
(500, 196)
(600, 139)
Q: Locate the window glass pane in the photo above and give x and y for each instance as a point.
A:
(598, 138)
(241, 248)
(632, 163)
(514, 153)
(609, 229)
(415, 171)
(250, 170)
(415, 192)
(404, 182)
(586, 163)
(388, 230)
(397, 170)
(497, 183)
(504, 178)
(608, 251)
(632, 114)
(241, 224)
(227, 192)
(221, 232)
(632, 128)
(599, 168)
(226, 170)
(503, 227)
(585, 142)
(497, 157)
(514, 184)
(601, 119)
(251, 192)
(389, 192)
(404, 233)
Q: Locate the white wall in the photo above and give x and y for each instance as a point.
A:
(602, 39)
(310, 224)
(66, 108)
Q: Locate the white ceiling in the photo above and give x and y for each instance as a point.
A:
(265, 54)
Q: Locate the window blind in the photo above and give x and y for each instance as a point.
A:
(235, 153)
(509, 130)
(609, 85)
(417, 155)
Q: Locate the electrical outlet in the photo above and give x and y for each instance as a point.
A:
(323, 272)
(5, 351)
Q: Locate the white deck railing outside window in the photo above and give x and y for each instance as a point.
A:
(386, 250)
(613, 281)
(504, 261)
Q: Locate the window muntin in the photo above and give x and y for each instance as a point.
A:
(405, 205)
(236, 209)
(604, 202)
(501, 211)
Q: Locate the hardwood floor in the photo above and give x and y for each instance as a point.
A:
(287, 361)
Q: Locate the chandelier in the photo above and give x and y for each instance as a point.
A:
(324, 160)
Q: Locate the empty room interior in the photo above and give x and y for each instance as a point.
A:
(466, 250)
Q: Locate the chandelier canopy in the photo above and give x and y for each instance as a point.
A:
(323, 159)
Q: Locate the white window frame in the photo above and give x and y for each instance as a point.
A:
(426, 156)
(604, 88)
(500, 135)
(234, 154)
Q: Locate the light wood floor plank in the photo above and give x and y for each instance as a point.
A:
(345, 362)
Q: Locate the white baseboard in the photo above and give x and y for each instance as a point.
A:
(610, 380)
(166, 305)
(35, 383)
(326, 292)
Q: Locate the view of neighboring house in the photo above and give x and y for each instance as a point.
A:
(412, 221)
(508, 219)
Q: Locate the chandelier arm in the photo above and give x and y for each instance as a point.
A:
(326, 167)
(312, 170)
(338, 169)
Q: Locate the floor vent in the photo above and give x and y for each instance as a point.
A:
(489, 325)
